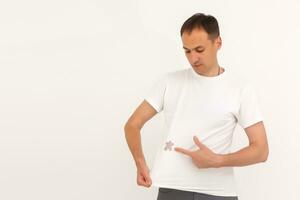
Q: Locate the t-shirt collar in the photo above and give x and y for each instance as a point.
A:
(208, 78)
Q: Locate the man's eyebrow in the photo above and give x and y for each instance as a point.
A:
(194, 48)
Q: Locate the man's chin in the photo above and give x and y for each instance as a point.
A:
(197, 66)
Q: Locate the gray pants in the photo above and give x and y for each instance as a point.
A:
(174, 194)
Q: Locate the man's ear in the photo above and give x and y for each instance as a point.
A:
(219, 42)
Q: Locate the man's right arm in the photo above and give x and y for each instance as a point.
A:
(132, 128)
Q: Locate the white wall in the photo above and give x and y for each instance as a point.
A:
(72, 72)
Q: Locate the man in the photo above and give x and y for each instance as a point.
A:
(202, 106)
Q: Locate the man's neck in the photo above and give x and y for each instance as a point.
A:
(211, 72)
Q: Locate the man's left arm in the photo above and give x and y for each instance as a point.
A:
(257, 150)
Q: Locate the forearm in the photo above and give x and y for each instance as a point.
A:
(133, 138)
(246, 156)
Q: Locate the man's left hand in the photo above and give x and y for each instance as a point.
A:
(203, 157)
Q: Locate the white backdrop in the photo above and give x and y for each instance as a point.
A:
(72, 72)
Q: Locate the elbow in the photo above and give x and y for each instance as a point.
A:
(261, 151)
(264, 154)
(264, 158)
(129, 126)
(126, 127)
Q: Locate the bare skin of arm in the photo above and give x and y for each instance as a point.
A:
(257, 151)
(132, 129)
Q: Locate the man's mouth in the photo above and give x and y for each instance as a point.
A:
(197, 65)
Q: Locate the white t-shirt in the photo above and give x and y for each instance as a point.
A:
(210, 108)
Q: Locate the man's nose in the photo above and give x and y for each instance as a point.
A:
(194, 58)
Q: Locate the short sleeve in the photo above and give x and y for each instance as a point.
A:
(155, 96)
(249, 112)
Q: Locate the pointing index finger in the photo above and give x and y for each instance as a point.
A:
(184, 151)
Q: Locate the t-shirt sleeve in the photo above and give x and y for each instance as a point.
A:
(155, 96)
(249, 112)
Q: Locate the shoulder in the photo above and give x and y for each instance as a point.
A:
(239, 80)
(171, 76)
(177, 73)
(240, 83)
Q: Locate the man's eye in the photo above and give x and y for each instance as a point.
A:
(187, 52)
(200, 51)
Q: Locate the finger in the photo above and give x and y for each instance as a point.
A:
(146, 176)
(184, 151)
(148, 179)
(196, 163)
(198, 143)
(141, 181)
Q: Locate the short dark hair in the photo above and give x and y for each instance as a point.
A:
(199, 20)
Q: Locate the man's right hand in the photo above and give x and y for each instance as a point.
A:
(143, 176)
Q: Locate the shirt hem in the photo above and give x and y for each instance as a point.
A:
(213, 193)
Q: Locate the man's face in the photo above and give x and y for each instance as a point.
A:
(200, 51)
